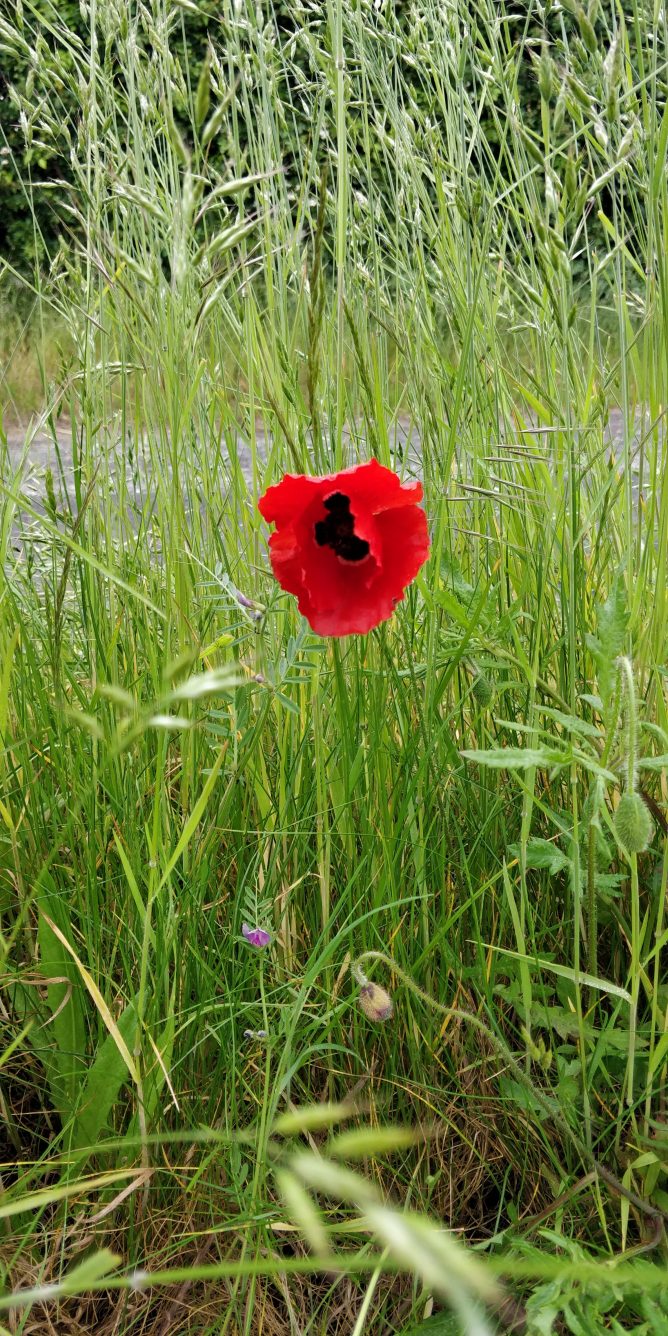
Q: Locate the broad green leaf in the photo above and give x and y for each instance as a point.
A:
(525, 758)
(571, 722)
(542, 853)
(105, 1078)
(99, 1001)
(64, 1037)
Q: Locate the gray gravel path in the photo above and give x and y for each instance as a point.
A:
(42, 455)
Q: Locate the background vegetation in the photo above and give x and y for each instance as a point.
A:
(344, 231)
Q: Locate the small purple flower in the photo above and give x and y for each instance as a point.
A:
(242, 599)
(255, 610)
(258, 937)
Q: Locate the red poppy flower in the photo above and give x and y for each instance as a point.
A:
(346, 544)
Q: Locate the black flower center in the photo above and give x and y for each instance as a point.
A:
(338, 530)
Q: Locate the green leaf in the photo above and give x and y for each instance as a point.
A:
(195, 817)
(518, 758)
(571, 722)
(543, 853)
(521, 1097)
(608, 643)
(65, 1056)
(525, 758)
(105, 1078)
(92, 1269)
(565, 972)
(441, 1324)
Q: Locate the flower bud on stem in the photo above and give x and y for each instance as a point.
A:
(549, 1106)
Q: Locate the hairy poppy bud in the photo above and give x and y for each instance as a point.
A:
(376, 1003)
(483, 690)
(633, 823)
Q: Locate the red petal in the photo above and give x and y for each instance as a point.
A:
(405, 539)
(378, 488)
(287, 500)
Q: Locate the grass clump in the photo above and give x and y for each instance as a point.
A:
(181, 756)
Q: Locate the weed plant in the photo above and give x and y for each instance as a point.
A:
(446, 793)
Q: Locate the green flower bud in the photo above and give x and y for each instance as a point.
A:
(633, 823)
(483, 690)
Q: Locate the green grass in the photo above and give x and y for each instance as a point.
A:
(173, 766)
